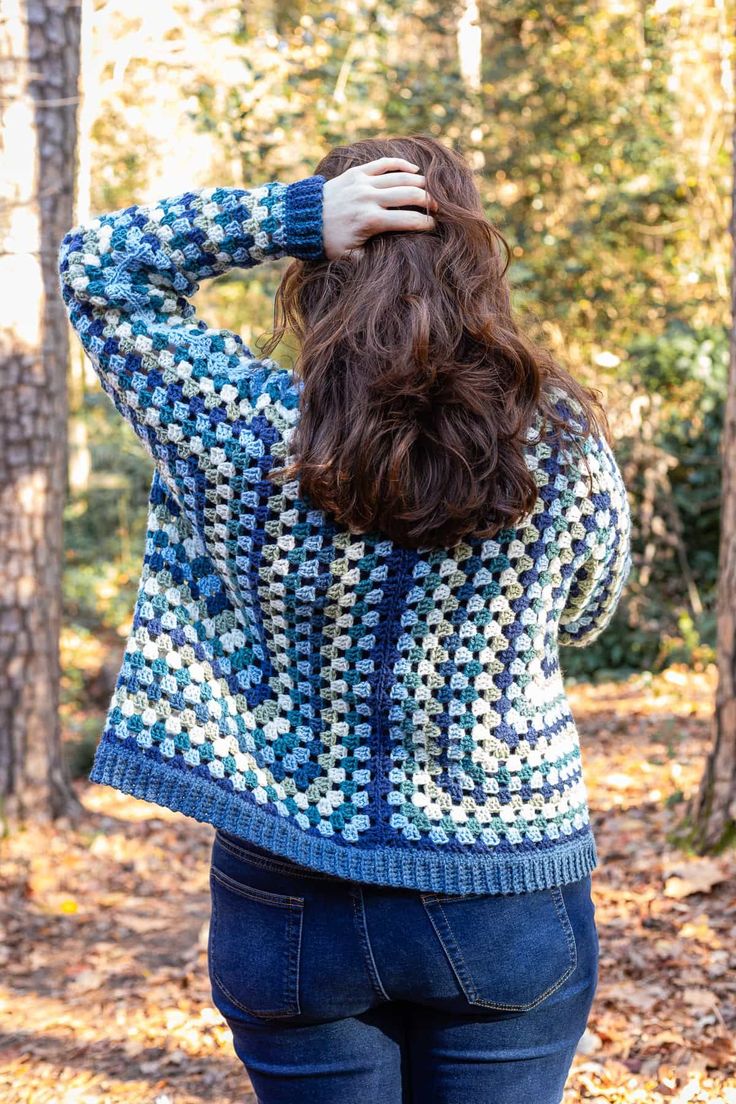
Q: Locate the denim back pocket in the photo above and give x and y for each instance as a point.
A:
(254, 946)
(507, 951)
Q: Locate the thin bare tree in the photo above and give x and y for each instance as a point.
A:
(712, 811)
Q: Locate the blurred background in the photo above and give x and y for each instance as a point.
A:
(601, 133)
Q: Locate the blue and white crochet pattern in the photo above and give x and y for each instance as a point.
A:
(391, 715)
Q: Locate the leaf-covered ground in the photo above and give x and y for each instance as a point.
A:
(104, 995)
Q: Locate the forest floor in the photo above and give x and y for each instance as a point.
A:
(104, 993)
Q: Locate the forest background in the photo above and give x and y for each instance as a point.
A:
(601, 135)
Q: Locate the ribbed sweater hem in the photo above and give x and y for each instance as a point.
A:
(408, 867)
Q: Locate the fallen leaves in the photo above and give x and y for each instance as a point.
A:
(665, 1010)
(696, 876)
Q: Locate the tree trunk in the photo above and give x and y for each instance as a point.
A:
(469, 46)
(713, 809)
(469, 36)
(39, 50)
(80, 370)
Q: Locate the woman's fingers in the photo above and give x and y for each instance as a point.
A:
(406, 197)
(401, 220)
(395, 179)
(385, 164)
(398, 183)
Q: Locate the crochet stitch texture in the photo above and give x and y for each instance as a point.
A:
(391, 715)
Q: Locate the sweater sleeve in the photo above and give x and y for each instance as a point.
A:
(127, 278)
(605, 532)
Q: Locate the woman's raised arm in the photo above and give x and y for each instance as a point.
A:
(127, 278)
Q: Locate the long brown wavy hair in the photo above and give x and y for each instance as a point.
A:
(418, 384)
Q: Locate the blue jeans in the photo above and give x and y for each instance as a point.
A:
(338, 992)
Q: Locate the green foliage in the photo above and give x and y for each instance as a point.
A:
(105, 526)
(580, 161)
(79, 752)
(618, 652)
(688, 370)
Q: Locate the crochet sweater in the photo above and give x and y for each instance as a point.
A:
(390, 715)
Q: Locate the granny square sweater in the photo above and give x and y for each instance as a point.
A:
(391, 715)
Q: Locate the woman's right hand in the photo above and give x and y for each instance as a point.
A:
(362, 201)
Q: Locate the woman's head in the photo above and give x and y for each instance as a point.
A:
(418, 387)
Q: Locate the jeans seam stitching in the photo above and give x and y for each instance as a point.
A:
(360, 919)
(268, 864)
(468, 984)
(435, 898)
(296, 921)
(564, 919)
(446, 951)
(278, 900)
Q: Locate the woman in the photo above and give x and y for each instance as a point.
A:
(344, 653)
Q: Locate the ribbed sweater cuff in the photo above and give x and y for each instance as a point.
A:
(303, 219)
